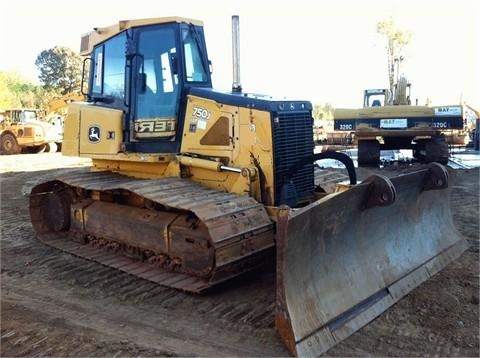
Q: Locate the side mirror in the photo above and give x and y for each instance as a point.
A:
(85, 73)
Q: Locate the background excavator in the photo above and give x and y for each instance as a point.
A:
(192, 186)
(390, 121)
(57, 108)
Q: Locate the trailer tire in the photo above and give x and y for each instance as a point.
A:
(436, 150)
(52, 147)
(41, 148)
(9, 144)
(368, 152)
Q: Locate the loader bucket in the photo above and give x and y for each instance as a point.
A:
(345, 259)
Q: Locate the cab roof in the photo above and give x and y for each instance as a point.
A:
(100, 34)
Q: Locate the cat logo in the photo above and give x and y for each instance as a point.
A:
(94, 134)
(448, 111)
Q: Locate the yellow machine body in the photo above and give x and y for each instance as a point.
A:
(192, 186)
(21, 130)
(390, 122)
(235, 136)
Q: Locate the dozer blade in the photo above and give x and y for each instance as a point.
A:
(345, 259)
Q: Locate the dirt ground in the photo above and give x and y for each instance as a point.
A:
(54, 304)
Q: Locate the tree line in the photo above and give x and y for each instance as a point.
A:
(60, 72)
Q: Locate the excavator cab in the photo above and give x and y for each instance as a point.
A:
(383, 97)
(375, 97)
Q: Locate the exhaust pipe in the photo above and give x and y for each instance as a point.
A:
(236, 85)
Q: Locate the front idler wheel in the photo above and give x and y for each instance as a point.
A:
(56, 211)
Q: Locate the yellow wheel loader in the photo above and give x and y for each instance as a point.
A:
(192, 186)
(21, 130)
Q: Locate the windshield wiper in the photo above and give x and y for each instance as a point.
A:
(104, 99)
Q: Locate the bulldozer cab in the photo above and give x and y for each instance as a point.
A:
(144, 71)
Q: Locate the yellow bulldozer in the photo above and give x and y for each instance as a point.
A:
(192, 186)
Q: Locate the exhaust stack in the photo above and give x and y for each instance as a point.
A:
(236, 85)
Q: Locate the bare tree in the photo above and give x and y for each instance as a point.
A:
(323, 111)
(396, 40)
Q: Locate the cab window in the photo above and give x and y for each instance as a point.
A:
(194, 67)
(158, 51)
(109, 68)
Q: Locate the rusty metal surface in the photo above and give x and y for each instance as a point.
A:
(203, 235)
(176, 280)
(173, 192)
(341, 264)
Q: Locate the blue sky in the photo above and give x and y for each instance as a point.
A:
(322, 51)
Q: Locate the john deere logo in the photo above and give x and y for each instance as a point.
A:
(94, 134)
